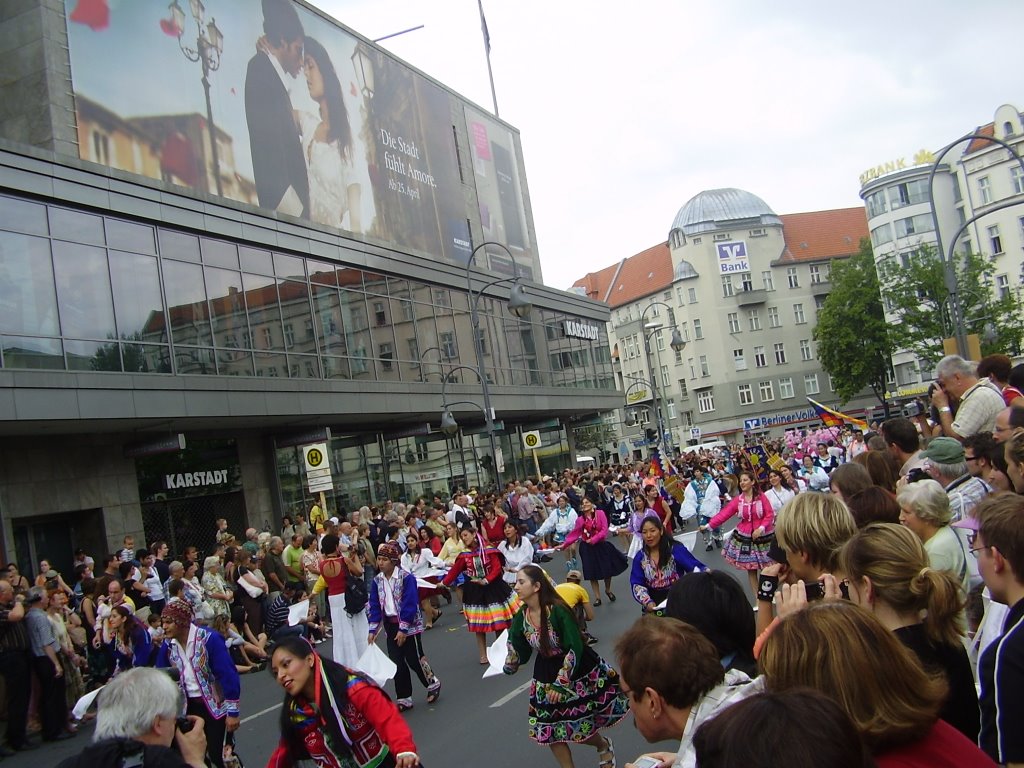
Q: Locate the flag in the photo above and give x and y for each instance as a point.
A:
(657, 470)
(776, 462)
(95, 14)
(483, 28)
(670, 487)
(834, 418)
(758, 461)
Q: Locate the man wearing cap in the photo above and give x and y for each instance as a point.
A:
(978, 401)
(577, 598)
(394, 605)
(53, 709)
(947, 463)
(207, 676)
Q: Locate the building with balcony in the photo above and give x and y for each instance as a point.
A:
(970, 180)
(168, 344)
(743, 286)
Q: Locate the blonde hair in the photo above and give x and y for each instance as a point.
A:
(1014, 450)
(895, 561)
(843, 651)
(817, 524)
(928, 500)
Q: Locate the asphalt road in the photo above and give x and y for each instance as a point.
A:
(475, 721)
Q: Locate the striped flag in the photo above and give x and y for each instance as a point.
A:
(834, 418)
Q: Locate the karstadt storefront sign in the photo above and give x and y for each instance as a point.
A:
(577, 330)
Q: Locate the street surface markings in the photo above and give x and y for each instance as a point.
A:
(262, 712)
(511, 695)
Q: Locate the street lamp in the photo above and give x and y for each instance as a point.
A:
(677, 343)
(208, 48)
(952, 281)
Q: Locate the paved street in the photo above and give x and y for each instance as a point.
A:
(475, 721)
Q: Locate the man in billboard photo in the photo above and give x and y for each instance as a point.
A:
(277, 161)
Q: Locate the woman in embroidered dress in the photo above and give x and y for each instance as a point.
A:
(129, 645)
(350, 632)
(618, 508)
(636, 521)
(422, 564)
(487, 600)
(748, 546)
(335, 717)
(659, 565)
(574, 692)
(559, 524)
(702, 498)
(600, 558)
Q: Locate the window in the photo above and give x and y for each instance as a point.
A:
(760, 360)
(481, 338)
(881, 235)
(691, 294)
(767, 280)
(687, 419)
(379, 317)
(914, 225)
(407, 310)
(442, 298)
(786, 388)
(706, 401)
(908, 193)
(995, 240)
(672, 410)
(659, 340)
(876, 203)
(780, 353)
(698, 240)
(773, 317)
(811, 384)
(739, 360)
(704, 369)
(985, 190)
(289, 336)
(798, 314)
(1003, 286)
(386, 354)
(831, 384)
(746, 394)
(698, 331)
(721, 237)
(758, 233)
(665, 381)
(683, 391)
(449, 349)
(727, 289)
(754, 318)
(805, 350)
(1017, 179)
(746, 281)
(766, 391)
(693, 368)
(684, 330)
(734, 322)
(679, 295)
(268, 339)
(819, 302)
(792, 277)
(815, 274)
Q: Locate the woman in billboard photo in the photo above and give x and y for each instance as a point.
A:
(327, 145)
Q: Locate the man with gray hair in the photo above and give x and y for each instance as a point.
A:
(978, 401)
(136, 724)
(947, 463)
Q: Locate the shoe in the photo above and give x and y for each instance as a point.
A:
(611, 596)
(404, 705)
(597, 603)
(709, 547)
(434, 691)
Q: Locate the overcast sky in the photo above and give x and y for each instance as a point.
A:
(627, 110)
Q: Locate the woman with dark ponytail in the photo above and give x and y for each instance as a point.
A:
(333, 716)
(574, 693)
(887, 570)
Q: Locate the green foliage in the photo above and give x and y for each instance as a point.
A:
(593, 436)
(917, 294)
(853, 341)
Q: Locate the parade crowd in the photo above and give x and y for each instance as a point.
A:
(885, 567)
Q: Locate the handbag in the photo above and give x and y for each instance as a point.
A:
(250, 589)
(356, 595)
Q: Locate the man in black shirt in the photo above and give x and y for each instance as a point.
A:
(14, 666)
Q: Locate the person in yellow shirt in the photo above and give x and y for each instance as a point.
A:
(577, 598)
(317, 518)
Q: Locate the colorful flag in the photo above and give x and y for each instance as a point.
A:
(834, 418)
(758, 457)
(776, 462)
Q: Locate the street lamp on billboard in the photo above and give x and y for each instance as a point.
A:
(208, 48)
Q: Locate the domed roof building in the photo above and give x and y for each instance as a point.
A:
(726, 208)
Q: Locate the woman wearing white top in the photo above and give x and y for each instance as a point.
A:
(813, 475)
(517, 550)
(423, 564)
(560, 523)
(777, 493)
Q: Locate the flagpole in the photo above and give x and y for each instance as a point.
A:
(487, 52)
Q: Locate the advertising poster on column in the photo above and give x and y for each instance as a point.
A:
(267, 103)
(499, 191)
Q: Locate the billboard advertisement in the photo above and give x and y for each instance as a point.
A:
(270, 104)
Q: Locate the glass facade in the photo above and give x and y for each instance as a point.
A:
(85, 292)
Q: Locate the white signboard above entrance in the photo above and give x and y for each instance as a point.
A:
(578, 330)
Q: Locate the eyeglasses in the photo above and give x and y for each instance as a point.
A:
(975, 550)
(971, 458)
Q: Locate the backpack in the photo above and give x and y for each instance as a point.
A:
(356, 595)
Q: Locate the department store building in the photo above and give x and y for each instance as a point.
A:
(172, 335)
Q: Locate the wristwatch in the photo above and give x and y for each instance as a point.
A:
(945, 409)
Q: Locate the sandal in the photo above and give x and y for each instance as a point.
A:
(609, 761)
(485, 662)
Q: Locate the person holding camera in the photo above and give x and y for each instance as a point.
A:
(137, 724)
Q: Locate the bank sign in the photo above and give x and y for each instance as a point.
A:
(764, 422)
(732, 257)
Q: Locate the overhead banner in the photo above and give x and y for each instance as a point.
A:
(304, 118)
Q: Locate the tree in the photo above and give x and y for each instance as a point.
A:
(593, 436)
(853, 341)
(915, 290)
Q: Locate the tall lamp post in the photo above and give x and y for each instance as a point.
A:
(952, 281)
(520, 306)
(208, 48)
(677, 343)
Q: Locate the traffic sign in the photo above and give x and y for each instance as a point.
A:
(318, 467)
(531, 439)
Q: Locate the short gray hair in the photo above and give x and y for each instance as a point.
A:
(951, 471)
(130, 703)
(926, 499)
(954, 364)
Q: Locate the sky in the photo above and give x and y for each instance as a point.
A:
(628, 110)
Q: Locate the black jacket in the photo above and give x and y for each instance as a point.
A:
(124, 753)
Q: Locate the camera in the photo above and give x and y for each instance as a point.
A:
(913, 409)
(815, 590)
(917, 474)
(184, 724)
